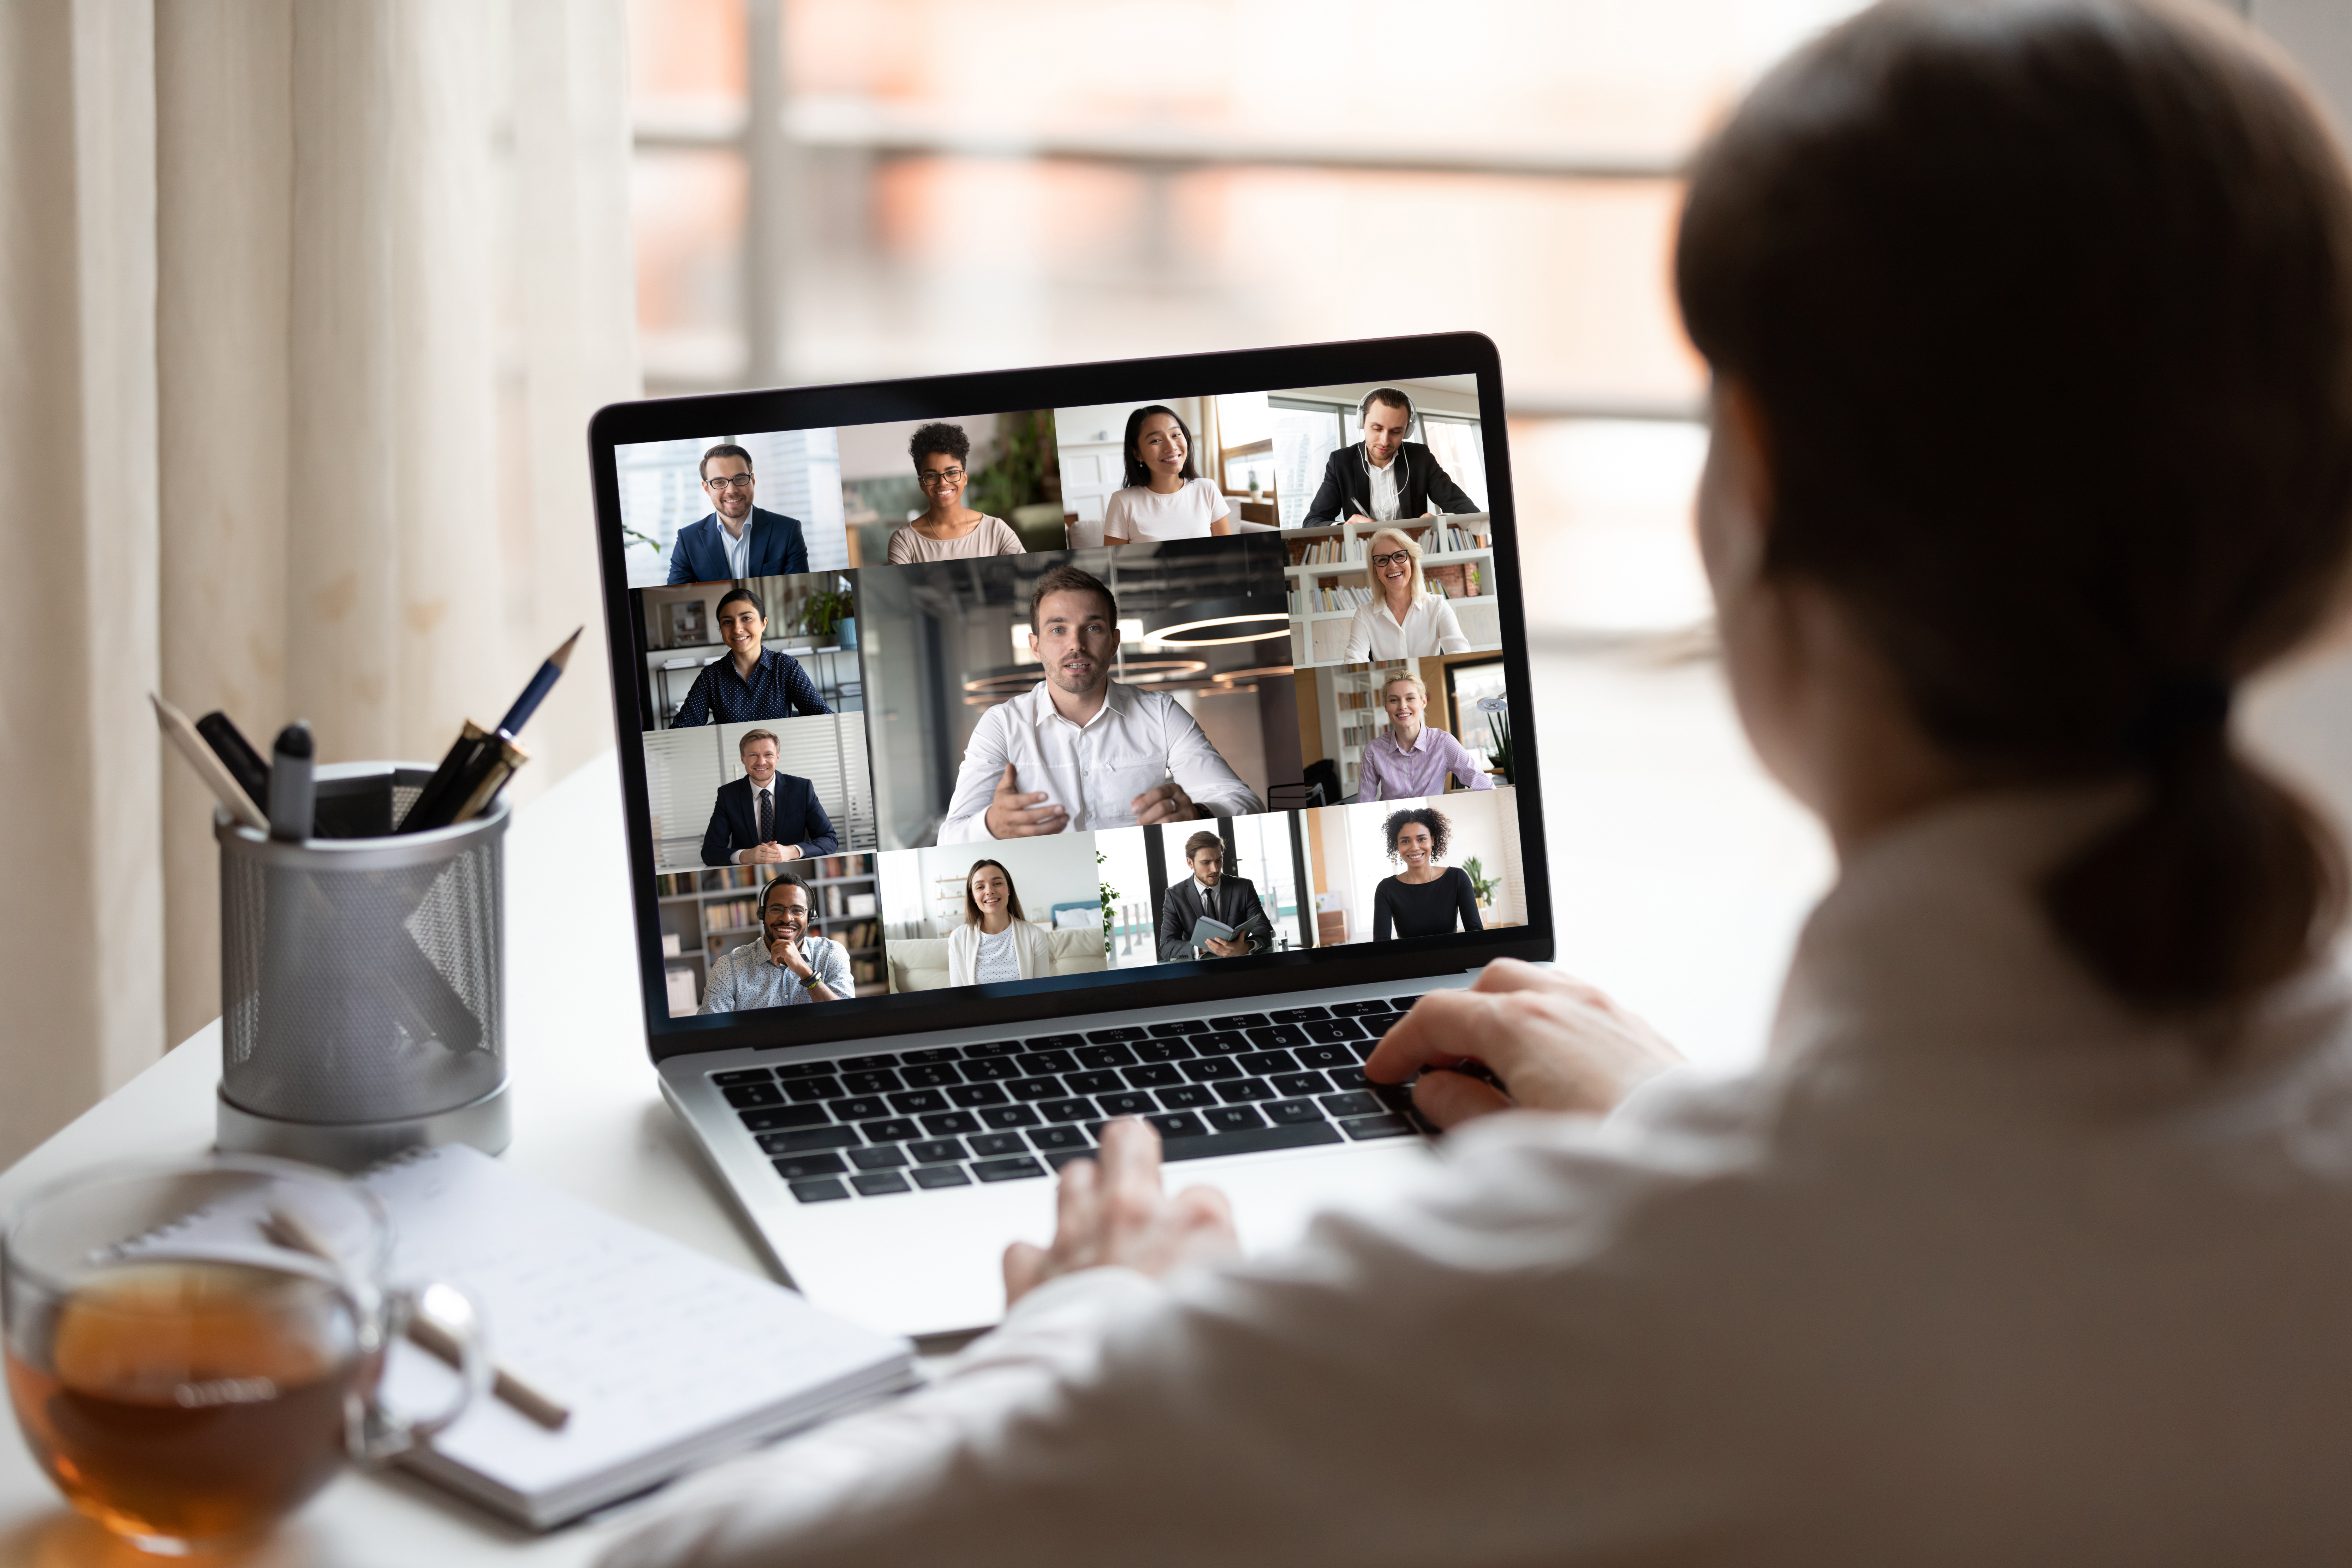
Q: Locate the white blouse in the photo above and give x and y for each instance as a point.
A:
(1000, 957)
(1430, 627)
(1141, 512)
(1979, 1266)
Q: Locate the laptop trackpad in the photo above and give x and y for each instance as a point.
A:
(936, 1266)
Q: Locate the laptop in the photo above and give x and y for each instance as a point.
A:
(952, 705)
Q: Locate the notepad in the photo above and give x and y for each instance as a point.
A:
(666, 1357)
(1205, 930)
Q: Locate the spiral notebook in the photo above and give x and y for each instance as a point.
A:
(667, 1358)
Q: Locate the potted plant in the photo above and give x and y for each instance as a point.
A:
(1498, 727)
(822, 613)
(1481, 884)
(1109, 904)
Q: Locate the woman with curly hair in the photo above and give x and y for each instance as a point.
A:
(950, 530)
(1426, 898)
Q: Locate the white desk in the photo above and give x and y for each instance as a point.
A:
(1678, 873)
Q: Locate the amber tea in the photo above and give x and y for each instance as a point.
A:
(190, 1401)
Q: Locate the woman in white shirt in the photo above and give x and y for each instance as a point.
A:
(1401, 619)
(996, 940)
(1164, 495)
(2026, 1243)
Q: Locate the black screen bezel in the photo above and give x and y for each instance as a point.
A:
(1404, 358)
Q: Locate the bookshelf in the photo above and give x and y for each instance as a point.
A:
(710, 913)
(1325, 579)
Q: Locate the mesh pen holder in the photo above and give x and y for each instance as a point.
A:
(362, 978)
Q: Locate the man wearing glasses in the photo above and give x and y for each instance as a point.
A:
(737, 540)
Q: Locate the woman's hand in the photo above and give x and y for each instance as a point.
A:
(1556, 1043)
(1112, 1210)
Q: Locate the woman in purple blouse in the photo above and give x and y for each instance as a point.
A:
(1409, 760)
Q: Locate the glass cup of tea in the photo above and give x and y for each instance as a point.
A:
(193, 1351)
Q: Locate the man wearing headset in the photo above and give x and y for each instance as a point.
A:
(1385, 476)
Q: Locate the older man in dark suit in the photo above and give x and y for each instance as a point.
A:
(1208, 893)
(737, 540)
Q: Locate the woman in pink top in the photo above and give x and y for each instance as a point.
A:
(1409, 758)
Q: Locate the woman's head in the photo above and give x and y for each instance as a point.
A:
(1158, 446)
(988, 891)
(742, 620)
(1417, 836)
(1403, 696)
(1392, 561)
(2035, 319)
(941, 455)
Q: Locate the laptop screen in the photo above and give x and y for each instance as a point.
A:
(974, 712)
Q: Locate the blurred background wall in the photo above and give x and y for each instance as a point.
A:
(302, 310)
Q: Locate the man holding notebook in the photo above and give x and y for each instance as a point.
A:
(1209, 895)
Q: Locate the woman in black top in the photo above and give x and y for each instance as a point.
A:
(1424, 898)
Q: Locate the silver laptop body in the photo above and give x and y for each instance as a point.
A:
(886, 1147)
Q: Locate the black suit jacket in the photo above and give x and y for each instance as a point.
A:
(1423, 487)
(700, 554)
(1180, 911)
(800, 819)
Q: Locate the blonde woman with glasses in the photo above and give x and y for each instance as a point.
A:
(1402, 619)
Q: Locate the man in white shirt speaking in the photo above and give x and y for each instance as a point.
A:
(1078, 750)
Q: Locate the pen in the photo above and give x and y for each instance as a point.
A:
(451, 789)
(237, 754)
(218, 778)
(293, 796)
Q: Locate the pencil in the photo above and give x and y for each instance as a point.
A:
(209, 767)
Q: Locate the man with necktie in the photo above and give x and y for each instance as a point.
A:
(1208, 893)
(766, 817)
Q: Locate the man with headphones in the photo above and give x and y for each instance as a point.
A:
(1385, 476)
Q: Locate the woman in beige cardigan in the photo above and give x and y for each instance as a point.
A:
(2031, 326)
(996, 942)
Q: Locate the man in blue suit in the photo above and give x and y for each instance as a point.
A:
(765, 816)
(737, 540)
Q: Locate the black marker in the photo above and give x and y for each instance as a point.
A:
(293, 797)
(237, 754)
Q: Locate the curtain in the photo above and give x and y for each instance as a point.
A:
(305, 307)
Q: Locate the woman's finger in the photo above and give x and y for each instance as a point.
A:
(1130, 1177)
(1450, 1099)
(1025, 1270)
(1076, 1215)
(1518, 974)
(1427, 1036)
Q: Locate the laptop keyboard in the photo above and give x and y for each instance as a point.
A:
(949, 1116)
